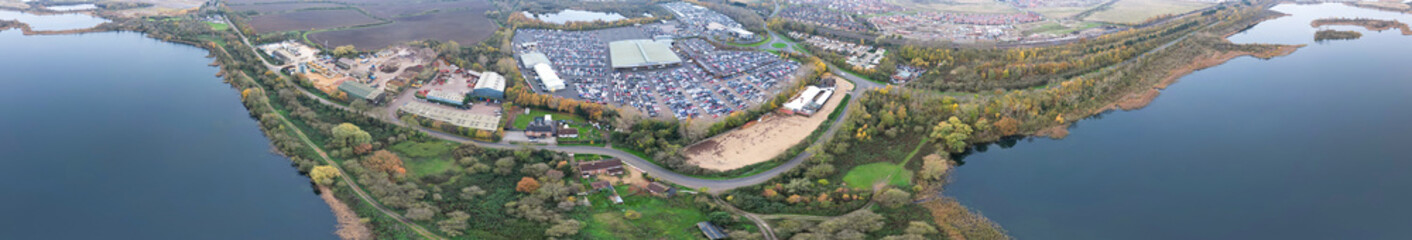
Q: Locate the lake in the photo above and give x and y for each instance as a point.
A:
(117, 136)
(1307, 146)
(53, 22)
(570, 15)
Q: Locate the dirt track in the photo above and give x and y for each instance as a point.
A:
(760, 141)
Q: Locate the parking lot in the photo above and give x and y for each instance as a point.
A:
(711, 83)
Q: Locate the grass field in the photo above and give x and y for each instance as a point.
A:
(425, 158)
(965, 6)
(522, 121)
(1056, 28)
(218, 26)
(1137, 11)
(1061, 12)
(661, 218)
(779, 45)
(308, 20)
(863, 176)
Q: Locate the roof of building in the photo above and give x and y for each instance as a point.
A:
(568, 130)
(641, 53)
(452, 116)
(600, 164)
(658, 187)
(492, 81)
(550, 78)
(804, 98)
(712, 232)
(601, 184)
(359, 90)
(534, 58)
(540, 126)
(446, 97)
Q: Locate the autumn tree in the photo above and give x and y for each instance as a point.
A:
(953, 134)
(347, 135)
(505, 166)
(324, 175)
(894, 197)
(934, 167)
(1008, 126)
(564, 228)
(454, 223)
(527, 185)
(385, 161)
(344, 51)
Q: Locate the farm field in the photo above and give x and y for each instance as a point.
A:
(465, 26)
(401, 9)
(281, 7)
(307, 20)
(1137, 11)
(1060, 12)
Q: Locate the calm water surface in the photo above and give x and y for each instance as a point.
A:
(118, 136)
(54, 21)
(1307, 146)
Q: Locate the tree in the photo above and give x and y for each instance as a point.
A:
(471, 192)
(527, 185)
(505, 166)
(564, 228)
(820, 171)
(420, 213)
(385, 161)
(920, 228)
(934, 167)
(894, 197)
(344, 51)
(349, 135)
(720, 218)
(794, 199)
(534, 170)
(1008, 126)
(953, 134)
(455, 222)
(324, 175)
(360, 105)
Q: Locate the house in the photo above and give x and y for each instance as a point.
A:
(711, 230)
(567, 132)
(540, 128)
(600, 185)
(661, 190)
(610, 167)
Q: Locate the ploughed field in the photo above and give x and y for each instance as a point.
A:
(370, 24)
(307, 20)
(465, 26)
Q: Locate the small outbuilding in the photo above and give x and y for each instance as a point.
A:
(711, 230)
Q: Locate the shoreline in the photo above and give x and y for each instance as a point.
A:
(1376, 25)
(350, 225)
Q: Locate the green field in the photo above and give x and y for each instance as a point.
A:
(1137, 11)
(425, 158)
(218, 26)
(661, 218)
(863, 176)
(779, 45)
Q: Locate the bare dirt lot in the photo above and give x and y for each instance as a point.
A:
(465, 27)
(763, 140)
(306, 20)
(400, 9)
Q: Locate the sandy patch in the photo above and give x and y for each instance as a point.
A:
(350, 227)
(760, 141)
(631, 177)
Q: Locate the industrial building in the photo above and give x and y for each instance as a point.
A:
(642, 54)
(360, 90)
(446, 97)
(808, 101)
(452, 116)
(544, 70)
(490, 86)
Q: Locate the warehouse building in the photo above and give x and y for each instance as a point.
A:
(543, 70)
(642, 54)
(446, 97)
(360, 90)
(490, 86)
